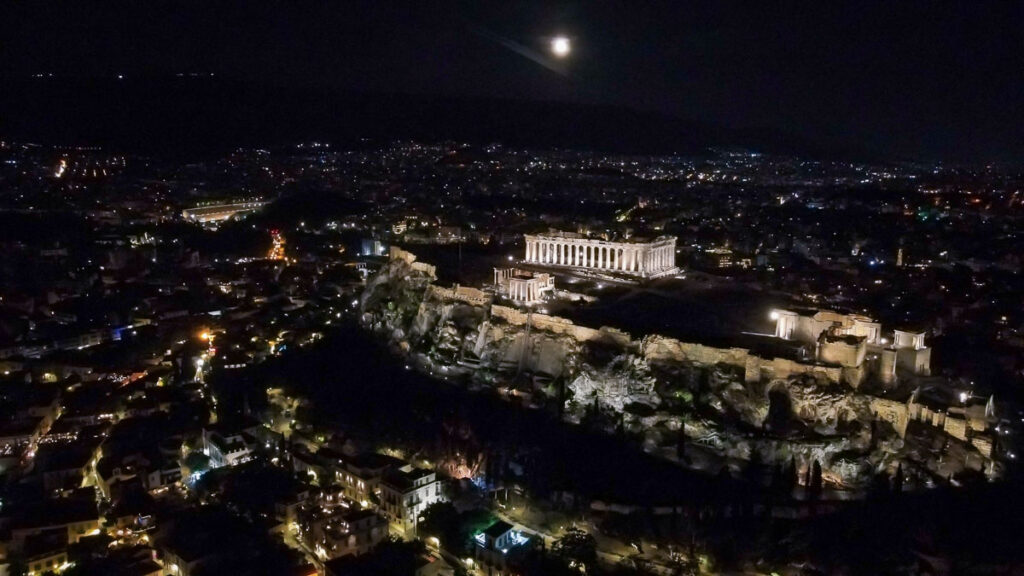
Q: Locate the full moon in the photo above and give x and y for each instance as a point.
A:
(560, 46)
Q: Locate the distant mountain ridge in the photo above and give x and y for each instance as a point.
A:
(208, 115)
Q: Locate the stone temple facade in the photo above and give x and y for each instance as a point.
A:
(849, 339)
(523, 286)
(636, 257)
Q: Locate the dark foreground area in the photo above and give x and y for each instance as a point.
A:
(361, 388)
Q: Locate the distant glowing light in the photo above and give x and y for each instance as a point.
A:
(560, 46)
(774, 315)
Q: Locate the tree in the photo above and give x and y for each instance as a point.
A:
(754, 470)
(576, 546)
(879, 487)
(17, 568)
(196, 462)
(816, 484)
(440, 520)
(790, 476)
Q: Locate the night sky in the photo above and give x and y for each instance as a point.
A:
(927, 80)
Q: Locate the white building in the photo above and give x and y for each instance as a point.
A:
(227, 449)
(406, 492)
(847, 339)
(522, 285)
(636, 257)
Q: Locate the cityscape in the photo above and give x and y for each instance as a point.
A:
(412, 353)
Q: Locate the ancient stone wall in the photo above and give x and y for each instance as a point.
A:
(842, 352)
(983, 443)
(955, 427)
(660, 348)
(893, 412)
(466, 294)
(565, 326)
(783, 368)
(396, 253)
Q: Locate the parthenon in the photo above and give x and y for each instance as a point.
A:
(645, 258)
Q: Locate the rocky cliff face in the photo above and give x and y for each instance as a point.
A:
(657, 391)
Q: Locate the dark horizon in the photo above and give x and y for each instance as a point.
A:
(210, 115)
(911, 81)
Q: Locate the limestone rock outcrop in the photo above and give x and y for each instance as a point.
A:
(729, 404)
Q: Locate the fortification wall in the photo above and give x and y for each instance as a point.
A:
(466, 294)
(658, 348)
(893, 412)
(654, 347)
(565, 326)
(396, 253)
(785, 368)
(661, 348)
(842, 353)
(955, 427)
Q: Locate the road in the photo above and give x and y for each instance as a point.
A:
(610, 550)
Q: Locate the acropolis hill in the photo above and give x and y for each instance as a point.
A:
(704, 406)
